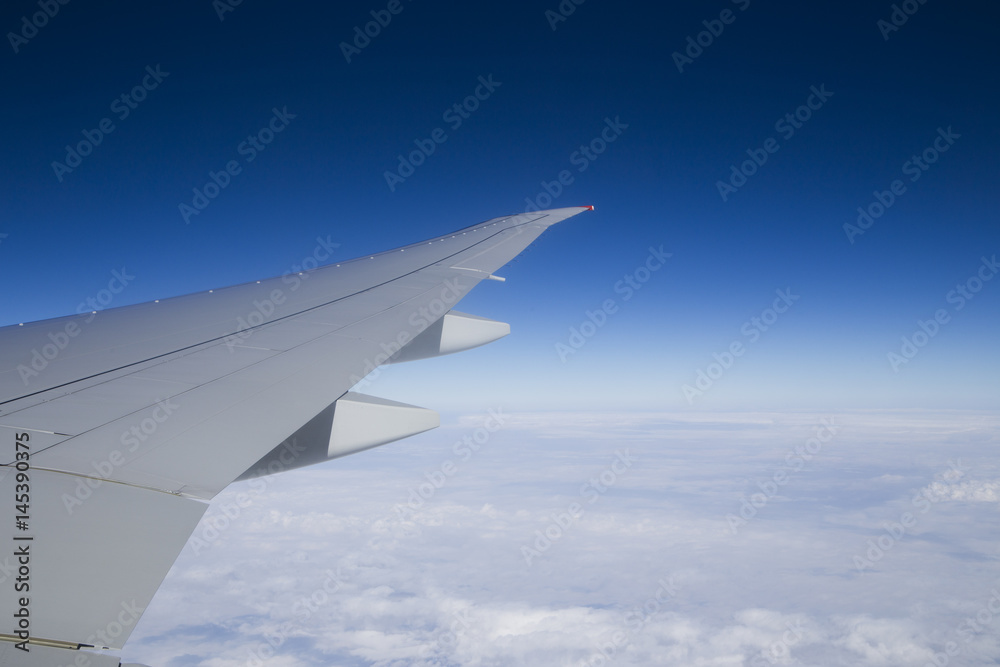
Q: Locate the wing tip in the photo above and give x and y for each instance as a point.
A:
(560, 214)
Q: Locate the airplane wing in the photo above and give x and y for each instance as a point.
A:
(117, 427)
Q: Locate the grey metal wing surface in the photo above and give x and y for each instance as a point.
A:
(117, 427)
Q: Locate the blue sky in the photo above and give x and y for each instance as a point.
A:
(552, 90)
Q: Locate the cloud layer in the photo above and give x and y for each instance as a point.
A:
(592, 539)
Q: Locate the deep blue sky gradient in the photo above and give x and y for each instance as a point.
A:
(655, 185)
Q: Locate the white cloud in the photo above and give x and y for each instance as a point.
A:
(973, 491)
(322, 564)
